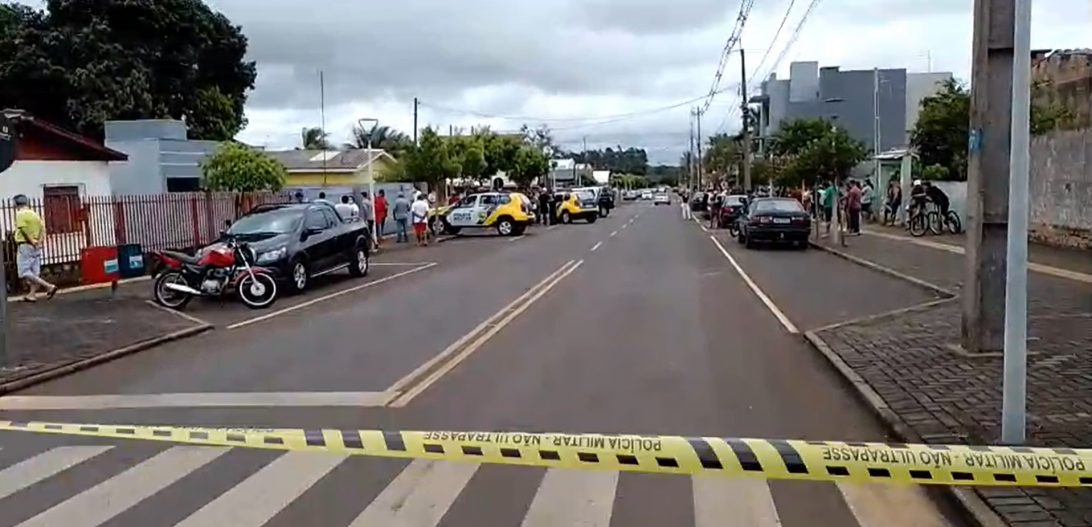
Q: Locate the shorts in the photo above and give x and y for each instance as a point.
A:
(419, 229)
(28, 260)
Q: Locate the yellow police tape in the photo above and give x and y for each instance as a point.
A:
(759, 458)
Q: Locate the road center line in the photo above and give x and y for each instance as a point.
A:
(401, 384)
(596, 246)
(613, 234)
(516, 239)
(330, 296)
(413, 392)
(789, 326)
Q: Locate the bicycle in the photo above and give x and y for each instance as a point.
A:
(927, 219)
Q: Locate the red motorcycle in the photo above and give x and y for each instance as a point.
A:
(216, 270)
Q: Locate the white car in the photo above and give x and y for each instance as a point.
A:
(646, 194)
(662, 198)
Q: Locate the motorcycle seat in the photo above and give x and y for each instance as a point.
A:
(182, 257)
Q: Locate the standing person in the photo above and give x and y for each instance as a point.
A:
(367, 211)
(551, 207)
(419, 212)
(544, 206)
(828, 204)
(853, 206)
(380, 215)
(866, 200)
(347, 209)
(894, 201)
(401, 214)
(29, 235)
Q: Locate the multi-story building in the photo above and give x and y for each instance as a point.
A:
(877, 107)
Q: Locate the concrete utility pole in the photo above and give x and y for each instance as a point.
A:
(989, 147)
(746, 125)
(701, 163)
(690, 163)
(876, 129)
(416, 105)
(1014, 393)
(371, 175)
(8, 137)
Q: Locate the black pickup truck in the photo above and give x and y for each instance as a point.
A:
(299, 241)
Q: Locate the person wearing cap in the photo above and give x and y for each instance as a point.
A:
(29, 235)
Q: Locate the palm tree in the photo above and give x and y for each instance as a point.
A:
(385, 138)
(314, 139)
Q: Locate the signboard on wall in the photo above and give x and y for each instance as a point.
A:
(7, 143)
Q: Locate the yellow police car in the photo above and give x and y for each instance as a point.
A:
(576, 205)
(507, 212)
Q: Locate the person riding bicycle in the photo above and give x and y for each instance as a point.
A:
(918, 197)
(938, 197)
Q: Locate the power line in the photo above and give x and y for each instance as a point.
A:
(729, 46)
(773, 41)
(795, 35)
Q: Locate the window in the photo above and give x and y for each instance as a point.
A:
(489, 200)
(331, 217)
(468, 201)
(315, 220)
(504, 199)
(778, 205)
(62, 209)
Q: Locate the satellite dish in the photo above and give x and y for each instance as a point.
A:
(7, 143)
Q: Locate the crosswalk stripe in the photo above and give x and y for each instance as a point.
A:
(30, 471)
(873, 506)
(261, 496)
(572, 497)
(742, 502)
(419, 496)
(113, 496)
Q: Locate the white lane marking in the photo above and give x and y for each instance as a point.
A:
(596, 246)
(551, 227)
(789, 326)
(703, 229)
(330, 296)
(115, 495)
(177, 313)
(573, 497)
(746, 501)
(410, 394)
(261, 496)
(1059, 272)
(400, 384)
(613, 234)
(624, 226)
(399, 264)
(872, 506)
(420, 495)
(30, 471)
(516, 239)
(193, 400)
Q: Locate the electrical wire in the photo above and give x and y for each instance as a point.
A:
(773, 41)
(795, 35)
(729, 46)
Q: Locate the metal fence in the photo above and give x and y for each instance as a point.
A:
(181, 220)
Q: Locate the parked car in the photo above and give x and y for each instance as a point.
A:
(662, 198)
(697, 202)
(730, 210)
(300, 241)
(508, 212)
(629, 195)
(646, 195)
(576, 205)
(603, 196)
(774, 220)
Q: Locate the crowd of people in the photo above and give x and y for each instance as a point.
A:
(404, 211)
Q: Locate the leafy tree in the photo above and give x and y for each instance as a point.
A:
(239, 168)
(629, 160)
(541, 138)
(830, 153)
(469, 151)
(430, 161)
(314, 139)
(383, 138)
(531, 163)
(82, 62)
(499, 151)
(724, 155)
(793, 137)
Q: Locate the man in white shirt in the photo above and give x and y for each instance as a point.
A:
(419, 214)
(347, 209)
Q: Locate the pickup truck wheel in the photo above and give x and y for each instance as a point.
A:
(358, 262)
(301, 276)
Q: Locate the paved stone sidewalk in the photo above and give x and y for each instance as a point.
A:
(76, 327)
(912, 361)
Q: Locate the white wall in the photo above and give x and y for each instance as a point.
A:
(141, 173)
(918, 87)
(30, 177)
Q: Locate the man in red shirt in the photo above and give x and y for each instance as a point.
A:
(380, 215)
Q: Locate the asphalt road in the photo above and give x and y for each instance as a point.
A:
(639, 323)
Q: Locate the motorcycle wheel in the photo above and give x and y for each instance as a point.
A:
(167, 297)
(257, 291)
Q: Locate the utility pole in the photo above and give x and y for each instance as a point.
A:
(416, 105)
(8, 137)
(744, 111)
(989, 148)
(322, 113)
(690, 156)
(876, 128)
(700, 162)
(1014, 389)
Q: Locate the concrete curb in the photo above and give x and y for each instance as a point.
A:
(885, 270)
(72, 367)
(973, 506)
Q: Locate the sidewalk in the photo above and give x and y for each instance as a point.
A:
(77, 329)
(934, 392)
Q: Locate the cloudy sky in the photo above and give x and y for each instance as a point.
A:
(576, 65)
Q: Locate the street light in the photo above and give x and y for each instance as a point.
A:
(371, 177)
